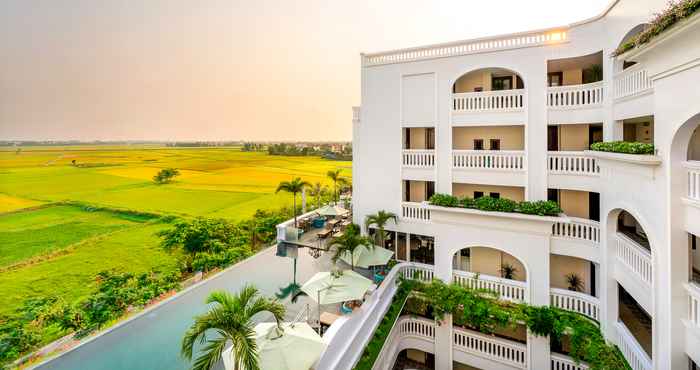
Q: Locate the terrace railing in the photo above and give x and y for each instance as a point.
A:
(493, 348)
(418, 158)
(578, 229)
(510, 290)
(415, 212)
(634, 256)
(693, 172)
(500, 160)
(482, 45)
(489, 101)
(562, 362)
(693, 304)
(572, 163)
(632, 81)
(405, 327)
(576, 302)
(575, 96)
(637, 358)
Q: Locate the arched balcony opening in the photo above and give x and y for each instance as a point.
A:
(629, 227)
(632, 33)
(575, 82)
(492, 269)
(488, 90)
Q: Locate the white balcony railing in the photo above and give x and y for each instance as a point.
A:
(634, 256)
(489, 101)
(510, 290)
(693, 170)
(632, 81)
(490, 347)
(575, 96)
(482, 45)
(578, 229)
(693, 304)
(572, 163)
(630, 348)
(576, 302)
(415, 212)
(501, 160)
(562, 362)
(418, 158)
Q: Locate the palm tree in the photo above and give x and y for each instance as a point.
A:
(379, 220)
(295, 186)
(230, 318)
(348, 243)
(334, 175)
(318, 191)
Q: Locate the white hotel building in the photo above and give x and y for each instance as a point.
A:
(513, 116)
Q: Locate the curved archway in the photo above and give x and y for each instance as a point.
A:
(480, 267)
(634, 31)
(488, 79)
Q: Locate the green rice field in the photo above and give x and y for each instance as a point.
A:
(61, 222)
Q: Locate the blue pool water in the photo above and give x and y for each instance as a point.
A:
(152, 341)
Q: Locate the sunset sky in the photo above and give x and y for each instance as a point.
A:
(220, 69)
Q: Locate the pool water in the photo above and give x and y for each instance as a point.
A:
(152, 341)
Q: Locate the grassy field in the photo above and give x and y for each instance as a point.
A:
(56, 249)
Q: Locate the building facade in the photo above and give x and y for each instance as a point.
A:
(514, 117)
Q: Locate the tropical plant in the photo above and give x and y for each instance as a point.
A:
(348, 243)
(575, 282)
(165, 175)
(295, 186)
(338, 180)
(231, 318)
(626, 147)
(318, 191)
(508, 271)
(379, 220)
(540, 207)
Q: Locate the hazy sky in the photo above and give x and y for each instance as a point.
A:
(220, 69)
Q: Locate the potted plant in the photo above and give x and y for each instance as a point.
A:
(575, 282)
(508, 271)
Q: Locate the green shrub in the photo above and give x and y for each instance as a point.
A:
(444, 200)
(623, 147)
(495, 204)
(488, 204)
(540, 208)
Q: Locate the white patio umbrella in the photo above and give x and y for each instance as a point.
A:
(296, 346)
(331, 210)
(329, 288)
(365, 257)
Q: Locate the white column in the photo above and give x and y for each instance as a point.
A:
(536, 132)
(443, 332)
(538, 285)
(408, 247)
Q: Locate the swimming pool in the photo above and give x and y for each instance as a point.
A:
(152, 341)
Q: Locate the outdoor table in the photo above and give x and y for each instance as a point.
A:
(324, 234)
(333, 222)
(328, 318)
(338, 234)
(345, 223)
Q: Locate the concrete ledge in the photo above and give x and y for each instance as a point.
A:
(639, 159)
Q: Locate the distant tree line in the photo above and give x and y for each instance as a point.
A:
(325, 150)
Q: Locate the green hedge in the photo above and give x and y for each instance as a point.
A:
(377, 342)
(540, 208)
(626, 147)
(676, 12)
(483, 311)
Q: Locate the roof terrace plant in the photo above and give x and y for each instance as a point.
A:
(625, 147)
(489, 204)
(674, 13)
